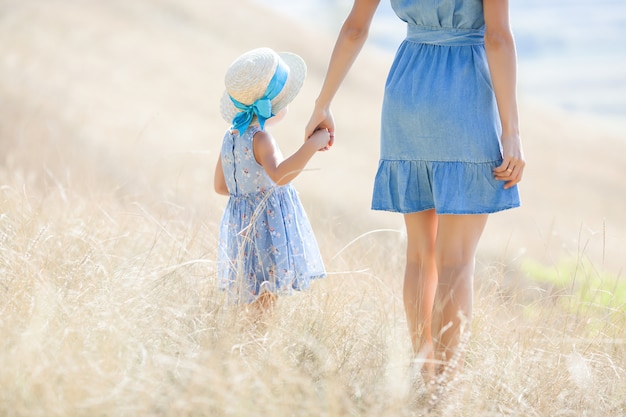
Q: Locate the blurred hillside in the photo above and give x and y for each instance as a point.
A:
(121, 98)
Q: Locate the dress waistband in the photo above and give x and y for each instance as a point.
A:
(445, 37)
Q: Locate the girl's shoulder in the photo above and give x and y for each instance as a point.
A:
(253, 130)
(262, 138)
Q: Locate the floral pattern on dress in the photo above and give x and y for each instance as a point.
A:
(266, 242)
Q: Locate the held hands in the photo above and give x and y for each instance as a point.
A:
(321, 118)
(512, 167)
(321, 138)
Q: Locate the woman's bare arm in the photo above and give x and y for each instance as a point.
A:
(502, 60)
(351, 38)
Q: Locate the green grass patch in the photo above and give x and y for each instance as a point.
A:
(578, 283)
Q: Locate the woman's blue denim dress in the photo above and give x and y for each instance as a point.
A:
(440, 134)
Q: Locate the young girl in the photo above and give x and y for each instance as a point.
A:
(266, 244)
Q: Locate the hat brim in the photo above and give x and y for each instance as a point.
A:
(295, 79)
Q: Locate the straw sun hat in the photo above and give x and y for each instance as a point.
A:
(248, 77)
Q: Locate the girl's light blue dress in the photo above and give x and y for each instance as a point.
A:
(266, 242)
(440, 126)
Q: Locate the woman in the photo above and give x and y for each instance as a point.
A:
(451, 151)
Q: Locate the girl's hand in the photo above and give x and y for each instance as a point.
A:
(321, 119)
(513, 163)
(321, 138)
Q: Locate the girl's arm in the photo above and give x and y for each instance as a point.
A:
(219, 182)
(280, 170)
(502, 60)
(351, 38)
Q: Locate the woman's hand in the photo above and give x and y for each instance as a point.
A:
(512, 168)
(352, 36)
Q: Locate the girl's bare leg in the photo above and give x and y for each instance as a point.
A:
(420, 284)
(455, 250)
(258, 312)
(264, 304)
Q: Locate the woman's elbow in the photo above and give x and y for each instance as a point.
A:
(497, 39)
(355, 33)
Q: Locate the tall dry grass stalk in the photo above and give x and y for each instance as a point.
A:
(110, 308)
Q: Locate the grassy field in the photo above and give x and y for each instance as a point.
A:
(109, 132)
(110, 307)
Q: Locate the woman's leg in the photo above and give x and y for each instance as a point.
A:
(420, 283)
(455, 250)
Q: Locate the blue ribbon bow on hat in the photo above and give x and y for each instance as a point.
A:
(262, 107)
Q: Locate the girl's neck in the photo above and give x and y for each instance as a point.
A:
(252, 124)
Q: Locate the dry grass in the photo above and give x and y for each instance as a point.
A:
(110, 308)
